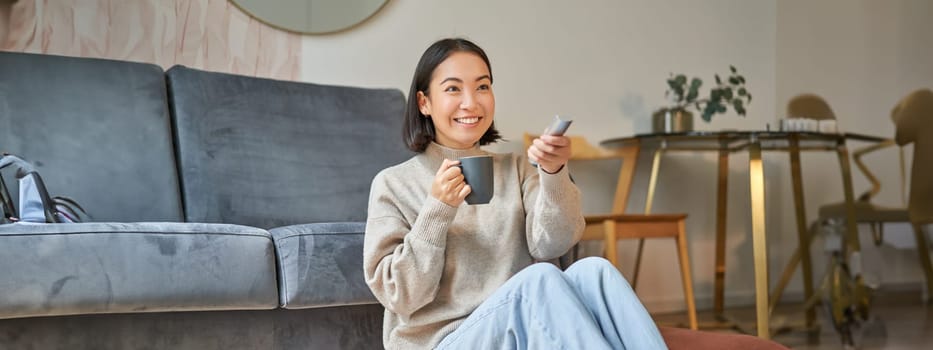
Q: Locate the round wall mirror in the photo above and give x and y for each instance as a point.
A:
(311, 16)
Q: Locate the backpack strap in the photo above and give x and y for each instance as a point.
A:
(70, 203)
(6, 203)
(71, 209)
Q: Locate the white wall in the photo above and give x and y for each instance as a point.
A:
(604, 63)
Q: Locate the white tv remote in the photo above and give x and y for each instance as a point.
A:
(558, 127)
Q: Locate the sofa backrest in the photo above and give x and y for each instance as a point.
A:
(268, 153)
(97, 130)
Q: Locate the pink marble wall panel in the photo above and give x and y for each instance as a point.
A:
(207, 34)
(4, 19)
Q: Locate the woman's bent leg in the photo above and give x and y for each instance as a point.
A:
(624, 321)
(535, 309)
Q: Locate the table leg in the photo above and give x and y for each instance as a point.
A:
(759, 242)
(924, 255)
(851, 225)
(860, 297)
(802, 253)
(653, 180)
(722, 196)
(649, 201)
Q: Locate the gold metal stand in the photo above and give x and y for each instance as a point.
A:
(756, 183)
(722, 194)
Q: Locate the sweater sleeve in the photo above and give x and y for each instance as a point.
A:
(403, 261)
(554, 216)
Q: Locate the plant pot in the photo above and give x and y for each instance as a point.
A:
(668, 121)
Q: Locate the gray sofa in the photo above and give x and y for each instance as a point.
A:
(228, 210)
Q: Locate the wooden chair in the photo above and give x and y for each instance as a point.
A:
(809, 106)
(617, 225)
(913, 118)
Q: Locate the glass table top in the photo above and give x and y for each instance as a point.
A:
(734, 140)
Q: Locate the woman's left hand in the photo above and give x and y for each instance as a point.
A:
(550, 152)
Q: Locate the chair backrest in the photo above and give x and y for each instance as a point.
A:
(809, 106)
(913, 117)
(581, 149)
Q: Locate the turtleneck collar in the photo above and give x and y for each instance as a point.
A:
(436, 153)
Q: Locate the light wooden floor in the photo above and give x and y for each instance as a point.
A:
(907, 322)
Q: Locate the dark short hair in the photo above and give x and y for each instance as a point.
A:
(418, 131)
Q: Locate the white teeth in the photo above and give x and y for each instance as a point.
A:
(471, 120)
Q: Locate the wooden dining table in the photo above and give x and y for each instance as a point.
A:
(754, 143)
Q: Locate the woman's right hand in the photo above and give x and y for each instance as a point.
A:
(449, 186)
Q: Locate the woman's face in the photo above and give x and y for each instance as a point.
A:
(460, 101)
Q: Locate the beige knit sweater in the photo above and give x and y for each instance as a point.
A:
(431, 264)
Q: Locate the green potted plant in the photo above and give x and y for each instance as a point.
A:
(685, 95)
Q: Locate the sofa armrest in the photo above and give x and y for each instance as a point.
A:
(321, 265)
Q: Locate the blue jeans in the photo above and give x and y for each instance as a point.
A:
(589, 306)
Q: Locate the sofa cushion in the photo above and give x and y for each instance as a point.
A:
(97, 130)
(269, 153)
(65, 269)
(321, 265)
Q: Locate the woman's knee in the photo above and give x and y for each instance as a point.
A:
(539, 270)
(595, 266)
(540, 273)
(593, 263)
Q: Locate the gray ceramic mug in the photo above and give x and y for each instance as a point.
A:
(477, 172)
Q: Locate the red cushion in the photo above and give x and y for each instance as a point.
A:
(679, 338)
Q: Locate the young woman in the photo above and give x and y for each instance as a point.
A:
(459, 276)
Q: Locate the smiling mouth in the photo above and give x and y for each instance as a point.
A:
(468, 120)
